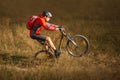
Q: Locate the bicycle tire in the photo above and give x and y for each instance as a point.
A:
(42, 52)
(77, 46)
(36, 61)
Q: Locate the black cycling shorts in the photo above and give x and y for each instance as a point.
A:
(40, 38)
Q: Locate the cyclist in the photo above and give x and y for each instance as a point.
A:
(40, 24)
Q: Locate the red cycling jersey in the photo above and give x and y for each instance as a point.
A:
(42, 25)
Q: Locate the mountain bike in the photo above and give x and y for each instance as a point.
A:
(77, 45)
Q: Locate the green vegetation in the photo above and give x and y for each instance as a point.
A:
(98, 20)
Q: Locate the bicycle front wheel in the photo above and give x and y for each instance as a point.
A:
(77, 46)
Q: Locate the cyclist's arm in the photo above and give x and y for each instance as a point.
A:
(48, 26)
(52, 26)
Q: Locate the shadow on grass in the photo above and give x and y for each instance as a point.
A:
(6, 58)
(22, 61)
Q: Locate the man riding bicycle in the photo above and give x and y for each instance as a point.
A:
(40, 24)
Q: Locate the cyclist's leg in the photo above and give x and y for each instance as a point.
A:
(57, 52)
(46, 47)
(44, 41)
(49, 54)
(43, 38)
(49, 41)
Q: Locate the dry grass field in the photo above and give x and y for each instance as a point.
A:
(98, 20)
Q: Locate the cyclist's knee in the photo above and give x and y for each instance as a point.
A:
(48, 38)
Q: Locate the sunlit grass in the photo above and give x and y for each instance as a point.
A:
(17, 50)
(98, 20)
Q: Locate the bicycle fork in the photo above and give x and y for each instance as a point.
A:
(71, 39)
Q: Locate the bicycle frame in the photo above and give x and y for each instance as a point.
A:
(70, 39)
(64, 34)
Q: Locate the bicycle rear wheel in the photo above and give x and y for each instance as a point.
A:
(77, 46)
(43, 57)
(42, 54)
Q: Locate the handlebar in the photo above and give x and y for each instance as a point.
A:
(62, 30)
